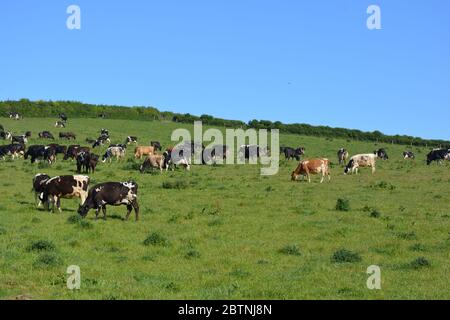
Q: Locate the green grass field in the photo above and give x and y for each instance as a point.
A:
(229, 233)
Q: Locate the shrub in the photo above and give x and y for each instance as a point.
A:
(41, 245)
(343, 204)
(417, 247)
(192, 254)
(345, 256)
(291, 250)
(156, 239)
(48, 259)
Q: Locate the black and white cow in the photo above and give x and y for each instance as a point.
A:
(101, 140)
(63, 117)
(19, 139)
(247, 152)
(111, 152)
(15, 116)
(131, 139)
(60, 124)
(382, 154)
(173, 160)
(409, 155)
(113, 194)
(38, 186)
(437, 155)
(46, 135)
(66, 187)
(59, 149)
(14, 150)
(5, 135)
(104, 132)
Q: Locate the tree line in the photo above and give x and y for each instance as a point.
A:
(75, 109)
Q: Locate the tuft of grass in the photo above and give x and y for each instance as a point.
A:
(342, 205)
(177, 184)
(79, 221)
(375, 214)
(407, 235)
(417, 247)
(419, 263)
(192, 254)
(2, 231)
(41, 245)
(291, 250)
(156, 239)
(345, 256)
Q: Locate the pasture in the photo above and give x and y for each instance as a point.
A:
(225, 232)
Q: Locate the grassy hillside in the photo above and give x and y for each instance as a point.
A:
(229, 233)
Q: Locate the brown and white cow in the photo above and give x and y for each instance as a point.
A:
(153, 161)
(66, 187)
(312, 166)
(361, 160)
(139, 152)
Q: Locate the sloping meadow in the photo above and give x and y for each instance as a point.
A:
(225, 231)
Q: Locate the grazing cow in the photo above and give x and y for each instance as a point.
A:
(37, 152)
(131, 139)
(156, 145)
(104, 132)
(291, 153)
(117, 152)
(87, 161)
(19, 139)
(153, 161)
(63, 117)
(16, 150)
(59, 149)
(143, 151)
(60, 124)
(27, 134)
(38, 186)
(312, 166)
(251, 151)
(381, 153)
(437, 155)
(408, 155)
(101, 140)
(15, 116)
(113, 194)
(67, 135)
(74, 150)
(66, 187)
(214, 153)
(342, 156)
(177, 160)
(46, 135)
(5, 135)
(361, 160)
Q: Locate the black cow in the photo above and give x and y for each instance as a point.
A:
(291, 153)
(86, 161)
(46, 135)
(38, 186)
(156, 145)
(131, 139)
(382, 154)
(437, 155)
(114, 194)
(101, 140)
(64, 187)
(27, 134)
(59, 149)
(409, 155)
(67, 135)
(251, 151)
(14, 150)
(36, 152)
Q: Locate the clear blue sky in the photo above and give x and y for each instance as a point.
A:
(289, 60)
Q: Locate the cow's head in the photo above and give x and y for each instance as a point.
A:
(294, 176)
(83, 210)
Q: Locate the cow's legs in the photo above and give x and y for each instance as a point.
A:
(373, 170)
(129, 209)
(104, 212)
(97, 211)
(136, 209)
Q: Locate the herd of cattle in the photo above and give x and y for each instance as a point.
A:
(49, 190)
